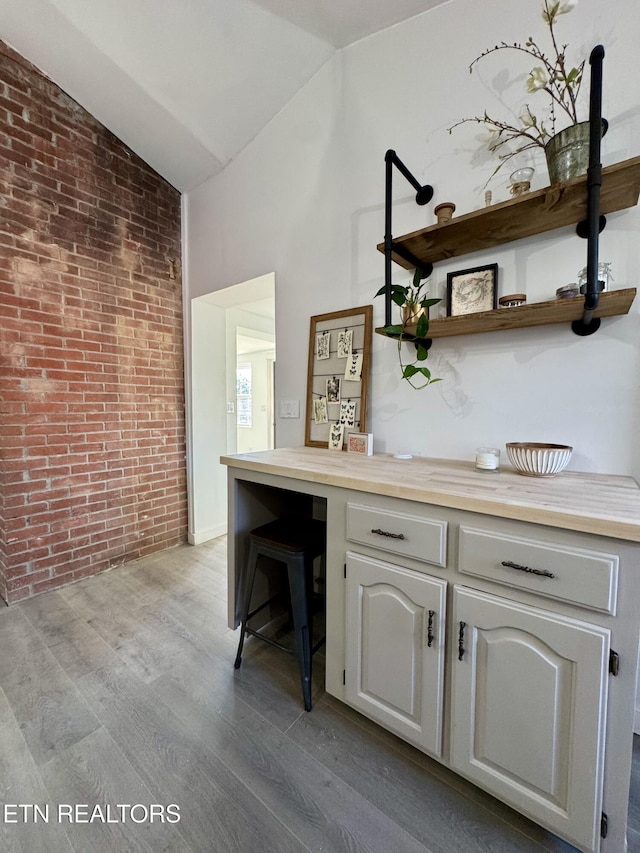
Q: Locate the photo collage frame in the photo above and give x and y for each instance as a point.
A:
(338, 374)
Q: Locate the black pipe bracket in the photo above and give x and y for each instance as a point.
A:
(424, 194)
(594, 223)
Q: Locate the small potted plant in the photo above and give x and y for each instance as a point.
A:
(413, 328)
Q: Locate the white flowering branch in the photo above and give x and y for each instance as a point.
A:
(550, 76)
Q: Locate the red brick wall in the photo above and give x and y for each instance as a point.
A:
(91, 362)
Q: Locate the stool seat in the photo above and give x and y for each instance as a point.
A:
(292, 535)
(294, 542)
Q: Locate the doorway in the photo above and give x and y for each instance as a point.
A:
(232, 330)
(255, 359)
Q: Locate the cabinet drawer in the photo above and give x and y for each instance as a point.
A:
(578, 575)
(398, 533)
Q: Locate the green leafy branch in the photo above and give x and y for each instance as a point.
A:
(555, 76)
(410, 298)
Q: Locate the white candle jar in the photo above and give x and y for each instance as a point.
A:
(487, 459)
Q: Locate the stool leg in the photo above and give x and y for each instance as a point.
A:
(252, 562)
(300, 571)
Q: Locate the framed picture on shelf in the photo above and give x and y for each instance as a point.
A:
(360, 442)
(473, 290)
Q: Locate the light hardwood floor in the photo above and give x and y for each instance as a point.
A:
(120, 690)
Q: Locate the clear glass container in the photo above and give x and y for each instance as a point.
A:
(488, 459)
(521, 180)
(604, 277)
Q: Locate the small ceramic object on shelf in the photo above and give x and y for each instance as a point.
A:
(568, 291)
(411, 314)
(521, 180)
(444, 211)
(487, 198)
(604, 277)
(535, 459)
(512, 300)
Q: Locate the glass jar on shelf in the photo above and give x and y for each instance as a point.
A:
(604, 277)
(521, 180)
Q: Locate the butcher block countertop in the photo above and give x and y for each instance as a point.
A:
(603, 504)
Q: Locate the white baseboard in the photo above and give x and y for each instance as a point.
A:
(199, 536)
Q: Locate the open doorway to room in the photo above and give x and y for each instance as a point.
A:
(233, 350)
(255, 418)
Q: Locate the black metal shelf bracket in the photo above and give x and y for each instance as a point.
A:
(594, 223)
(424, 194)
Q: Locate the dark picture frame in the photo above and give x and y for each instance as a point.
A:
(473, 290)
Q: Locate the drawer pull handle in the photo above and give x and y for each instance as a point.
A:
(543, 572)
(461, 641)
(380, 532)
(430, 636)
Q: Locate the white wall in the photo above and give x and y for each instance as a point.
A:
(208, 422)
(306, 199)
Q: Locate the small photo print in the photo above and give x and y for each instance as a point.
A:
(360, 442)
(323, 345)
(353, 369)
(345, 340)
(320, 411)
(333, 390)
(347, 413)
(336, 436)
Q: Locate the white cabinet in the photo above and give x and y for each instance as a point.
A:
(582, 576)
(400, 533)
(528, 710)
(525, 708)
(546, 577)
(395, 648)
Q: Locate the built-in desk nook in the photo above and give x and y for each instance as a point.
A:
(491, 620)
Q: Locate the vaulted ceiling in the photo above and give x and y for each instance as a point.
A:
(187, 84)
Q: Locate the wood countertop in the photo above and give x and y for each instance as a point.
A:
(603, 504)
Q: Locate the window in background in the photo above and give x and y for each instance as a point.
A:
(243, 395)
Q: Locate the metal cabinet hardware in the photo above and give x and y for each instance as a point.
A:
(604, 825)
(380, 532)
(461, 641)
(430, 637)
(614, 662)
(543, 572)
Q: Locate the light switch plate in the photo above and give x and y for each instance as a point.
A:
(289, 408)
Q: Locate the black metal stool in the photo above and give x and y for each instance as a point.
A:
(296, 542)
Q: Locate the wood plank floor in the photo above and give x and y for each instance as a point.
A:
(120, 690)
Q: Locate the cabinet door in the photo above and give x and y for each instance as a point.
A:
(395, 648)
(529, 708)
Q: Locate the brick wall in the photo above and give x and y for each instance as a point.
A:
(91, 363)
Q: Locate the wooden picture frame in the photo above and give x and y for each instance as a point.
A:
(360, 442)
(473, 290)
(322, 371)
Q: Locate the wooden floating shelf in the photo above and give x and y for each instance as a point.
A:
(533, 213)
(611, 303)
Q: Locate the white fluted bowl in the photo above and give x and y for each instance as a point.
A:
(534, 459)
